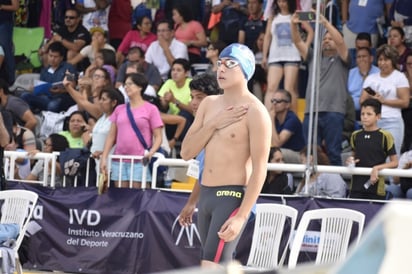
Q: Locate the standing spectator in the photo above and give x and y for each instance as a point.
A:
(363, 40)
(334, 65)
(95, 13)
(55, 99)
(362, 16)
(280, 56)
(166, 49)
(99, 41)
(140, 37)
(150, 71)
(73, 35)
(147, 118)
(7, 9)
(189, 31)
(392, 90)
(120, 21)
(407, 112)
(396, 39)
(371, 147)
(364, 68)
(400, 15)
(254, 25)
(19, 108)
(287, 132)
(233, 15)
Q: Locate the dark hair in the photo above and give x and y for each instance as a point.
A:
(57, 47)
(322, 156)
(109, 57)
(4, 86)
(73, 9)
(106, 73)
(139, 20)
(139, 80)
(114, 94)
(185, 11)
(180, 61)
(272, 151)
(137, 49)
(218, 45)
(400, 30)
(291, 7)
(78, 112)
(285, 93)
(365, 48)
(364, 36)
(388, 52)
(165, 21)
(59, 142)
(373, 103)
(205, 83)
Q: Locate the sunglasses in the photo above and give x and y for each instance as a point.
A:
(278, 101)
(70, 17)
(229, 63)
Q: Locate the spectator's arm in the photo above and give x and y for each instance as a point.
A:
(344, 11)
(223, 4)
(179, 121)
(1, 60)
(29, 119)
(302, 46)
(337, 37)
(83, 10)
(4, 134)
(241, 37)
(14, 6)
(76, 59)
(266, 42)
(29, 141)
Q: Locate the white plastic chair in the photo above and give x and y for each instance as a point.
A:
(18, 209)
(271, 224)
(335, 231)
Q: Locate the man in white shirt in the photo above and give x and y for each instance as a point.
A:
(166, 49)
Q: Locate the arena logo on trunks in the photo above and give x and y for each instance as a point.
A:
(229, 193)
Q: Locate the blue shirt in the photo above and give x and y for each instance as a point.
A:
(292, 123)
(355, 83)
(51, 76)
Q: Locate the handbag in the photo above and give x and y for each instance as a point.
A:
(162, 170)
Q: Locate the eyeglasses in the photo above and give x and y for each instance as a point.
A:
(278, 101)
(210, 48)
(70, 17)
(98, 76)
(229, 63)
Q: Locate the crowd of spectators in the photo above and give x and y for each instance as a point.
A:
(99, 54)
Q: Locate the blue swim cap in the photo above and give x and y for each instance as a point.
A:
(243, 55)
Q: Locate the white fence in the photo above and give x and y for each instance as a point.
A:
(11, 156)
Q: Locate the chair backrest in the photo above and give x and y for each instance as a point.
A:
(270, 223)
(335, 231)
(18, 209)
(27, 41)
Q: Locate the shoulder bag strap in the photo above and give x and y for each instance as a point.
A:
(134, 126)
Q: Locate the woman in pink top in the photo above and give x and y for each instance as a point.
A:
(140, 37)
(189, 31)
(148, 120)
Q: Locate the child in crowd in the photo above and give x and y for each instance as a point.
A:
(277, 181)
(371, 146)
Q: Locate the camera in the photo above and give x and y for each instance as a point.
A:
(306, 15)
(370, 91)
(70, 77)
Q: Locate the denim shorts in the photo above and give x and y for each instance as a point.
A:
(285, 63)
(126, 171)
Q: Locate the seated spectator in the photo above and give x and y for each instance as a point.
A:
(402, 186)
(212, 54)
(73, 35)
(189, 31)
(53, 143)
(277, 182)
(99, 41)
(140, 37)
(321, 184)
(396, 39)
(364, 67)
(103, 57)
(94, 13)
(363, 40)
(150, 71)
(22, 165)
(55, 99)
(287, 131)
(76, 133)
(165, 49)
(19, 108)
(175, 94)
